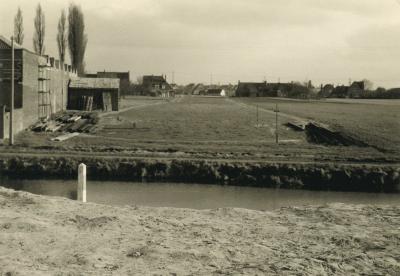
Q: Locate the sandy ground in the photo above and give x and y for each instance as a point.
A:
(55, 236)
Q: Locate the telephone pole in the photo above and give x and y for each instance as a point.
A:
(276, 123)
(11, 138)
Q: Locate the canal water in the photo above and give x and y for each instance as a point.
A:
(195, 196)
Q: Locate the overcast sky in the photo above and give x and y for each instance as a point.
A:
(326, 41)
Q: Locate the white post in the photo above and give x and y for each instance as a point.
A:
(82, 182)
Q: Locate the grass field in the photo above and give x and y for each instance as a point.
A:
(374, 122)
(230, 129)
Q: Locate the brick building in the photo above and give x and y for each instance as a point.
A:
(40, 82)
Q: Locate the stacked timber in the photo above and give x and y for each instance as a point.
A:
(76, 122)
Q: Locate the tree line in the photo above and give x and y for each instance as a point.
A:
(70, 35)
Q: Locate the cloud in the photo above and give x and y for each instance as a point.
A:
(235, 39)
(376, 41)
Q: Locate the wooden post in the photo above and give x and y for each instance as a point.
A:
(82, 182)
(11, 138)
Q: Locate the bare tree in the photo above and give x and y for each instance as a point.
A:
(77, 39)
(38, 37)
(62, 36)
(19, 27)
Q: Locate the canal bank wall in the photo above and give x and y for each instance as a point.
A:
(311, 176)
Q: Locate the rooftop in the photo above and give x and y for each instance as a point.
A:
(94, 83)
(5, 43)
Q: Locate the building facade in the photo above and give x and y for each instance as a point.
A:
(40, 82)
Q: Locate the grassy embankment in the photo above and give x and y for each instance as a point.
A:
(376, 123)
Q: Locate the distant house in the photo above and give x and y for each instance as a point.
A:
(326, 90)
(157, 86)
(93, 94)
(356, 89)
(251, 89)
(198, 89)
(340, 91)
(187, 89)
(229, 89)
(216, 92)
(279, 89)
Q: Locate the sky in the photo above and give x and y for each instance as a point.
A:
(226, 41)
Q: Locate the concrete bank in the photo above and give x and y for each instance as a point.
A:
(337, 177)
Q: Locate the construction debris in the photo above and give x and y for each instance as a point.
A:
(69, 122)
(64, 137)
(74, 118)
(322, 134)
(297, 126)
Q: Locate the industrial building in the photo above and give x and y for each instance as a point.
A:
(93, 94)
(40, 82)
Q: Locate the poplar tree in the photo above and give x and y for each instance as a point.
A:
(62, 36)
(38, 36)
(19, 27)
(77, 39)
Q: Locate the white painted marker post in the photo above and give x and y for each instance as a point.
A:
(82, 182)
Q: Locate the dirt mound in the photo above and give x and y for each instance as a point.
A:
(334, 239)
(320, 134)
(96, 222)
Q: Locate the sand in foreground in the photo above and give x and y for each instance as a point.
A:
(54, 236)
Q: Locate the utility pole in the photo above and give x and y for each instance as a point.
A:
(276, 123)
(62, 84)
(11, 138)
(257, 116)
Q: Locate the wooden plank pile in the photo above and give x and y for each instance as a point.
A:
(69, 122)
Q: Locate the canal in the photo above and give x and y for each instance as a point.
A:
(195, 196)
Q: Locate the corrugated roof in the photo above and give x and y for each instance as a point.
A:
(94, 83)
